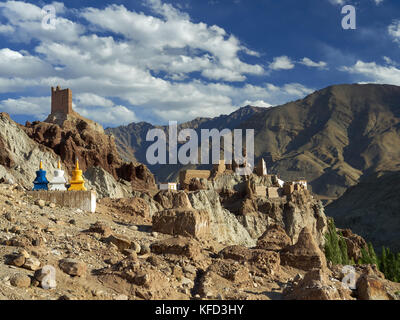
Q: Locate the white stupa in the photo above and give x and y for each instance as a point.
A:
(58, 182)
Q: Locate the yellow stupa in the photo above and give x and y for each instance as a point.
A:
(77, 182)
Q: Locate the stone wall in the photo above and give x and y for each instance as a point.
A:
(272, 192)
(84, 200)
(186, 175)
(260, 191)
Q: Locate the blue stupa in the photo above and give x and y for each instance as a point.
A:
(40, 182)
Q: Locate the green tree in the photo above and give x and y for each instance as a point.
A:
(335, 245)
(343, 250)
(336, 252)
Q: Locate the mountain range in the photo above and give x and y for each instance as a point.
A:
(333, 137)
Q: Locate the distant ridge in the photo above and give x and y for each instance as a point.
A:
(332, 137)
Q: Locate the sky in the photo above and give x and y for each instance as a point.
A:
(164, 60)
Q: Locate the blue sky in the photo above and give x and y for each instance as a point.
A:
(155, 60)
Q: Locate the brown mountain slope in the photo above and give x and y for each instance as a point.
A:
(131, 139)
(371, 209)
(331, 138)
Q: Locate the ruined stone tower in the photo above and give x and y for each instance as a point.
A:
(61, 100)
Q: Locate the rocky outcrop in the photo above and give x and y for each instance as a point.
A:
(316, 285)
(302, 210)
(173, 199)
(78, 137)
(180, 246)
(105, 184)
(354, 244)
(129, 207)
(274, 238)
(20, 156)
(184, 222)
(224, 225)
(305, 254)
(257, 211)
(372, 288)
(266, 261)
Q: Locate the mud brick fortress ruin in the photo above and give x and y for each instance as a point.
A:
(61, 101)
(279, 187)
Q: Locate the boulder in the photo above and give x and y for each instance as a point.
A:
(274, 238)
(17, 260)
(173, 199)
(317, 286)
(267, 261)
(184, 222)
(120, 241)
(73, 267)
(178, 246)
(354, 244)
(101, 228)
(20, 280)
(221, 275)
(32, 264)
(372, 288)
(305, 254)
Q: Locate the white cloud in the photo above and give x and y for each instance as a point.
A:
(15, 64)
(309, 63)
(394, 30)
(116, 115)
(373, 72)
(152, 67)
(37, 106)
(281, 63)
(93, 100)
(6, 28)
(174, 43)
(390, 61)
(257, 103)
(341, 2)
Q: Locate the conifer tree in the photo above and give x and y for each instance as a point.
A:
(373, 257)
(343, 250)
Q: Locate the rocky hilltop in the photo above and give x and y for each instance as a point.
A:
(20, 155)
(235, 214)
(371, 209)
(74, 136)
(116, 254)
(331, 138)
